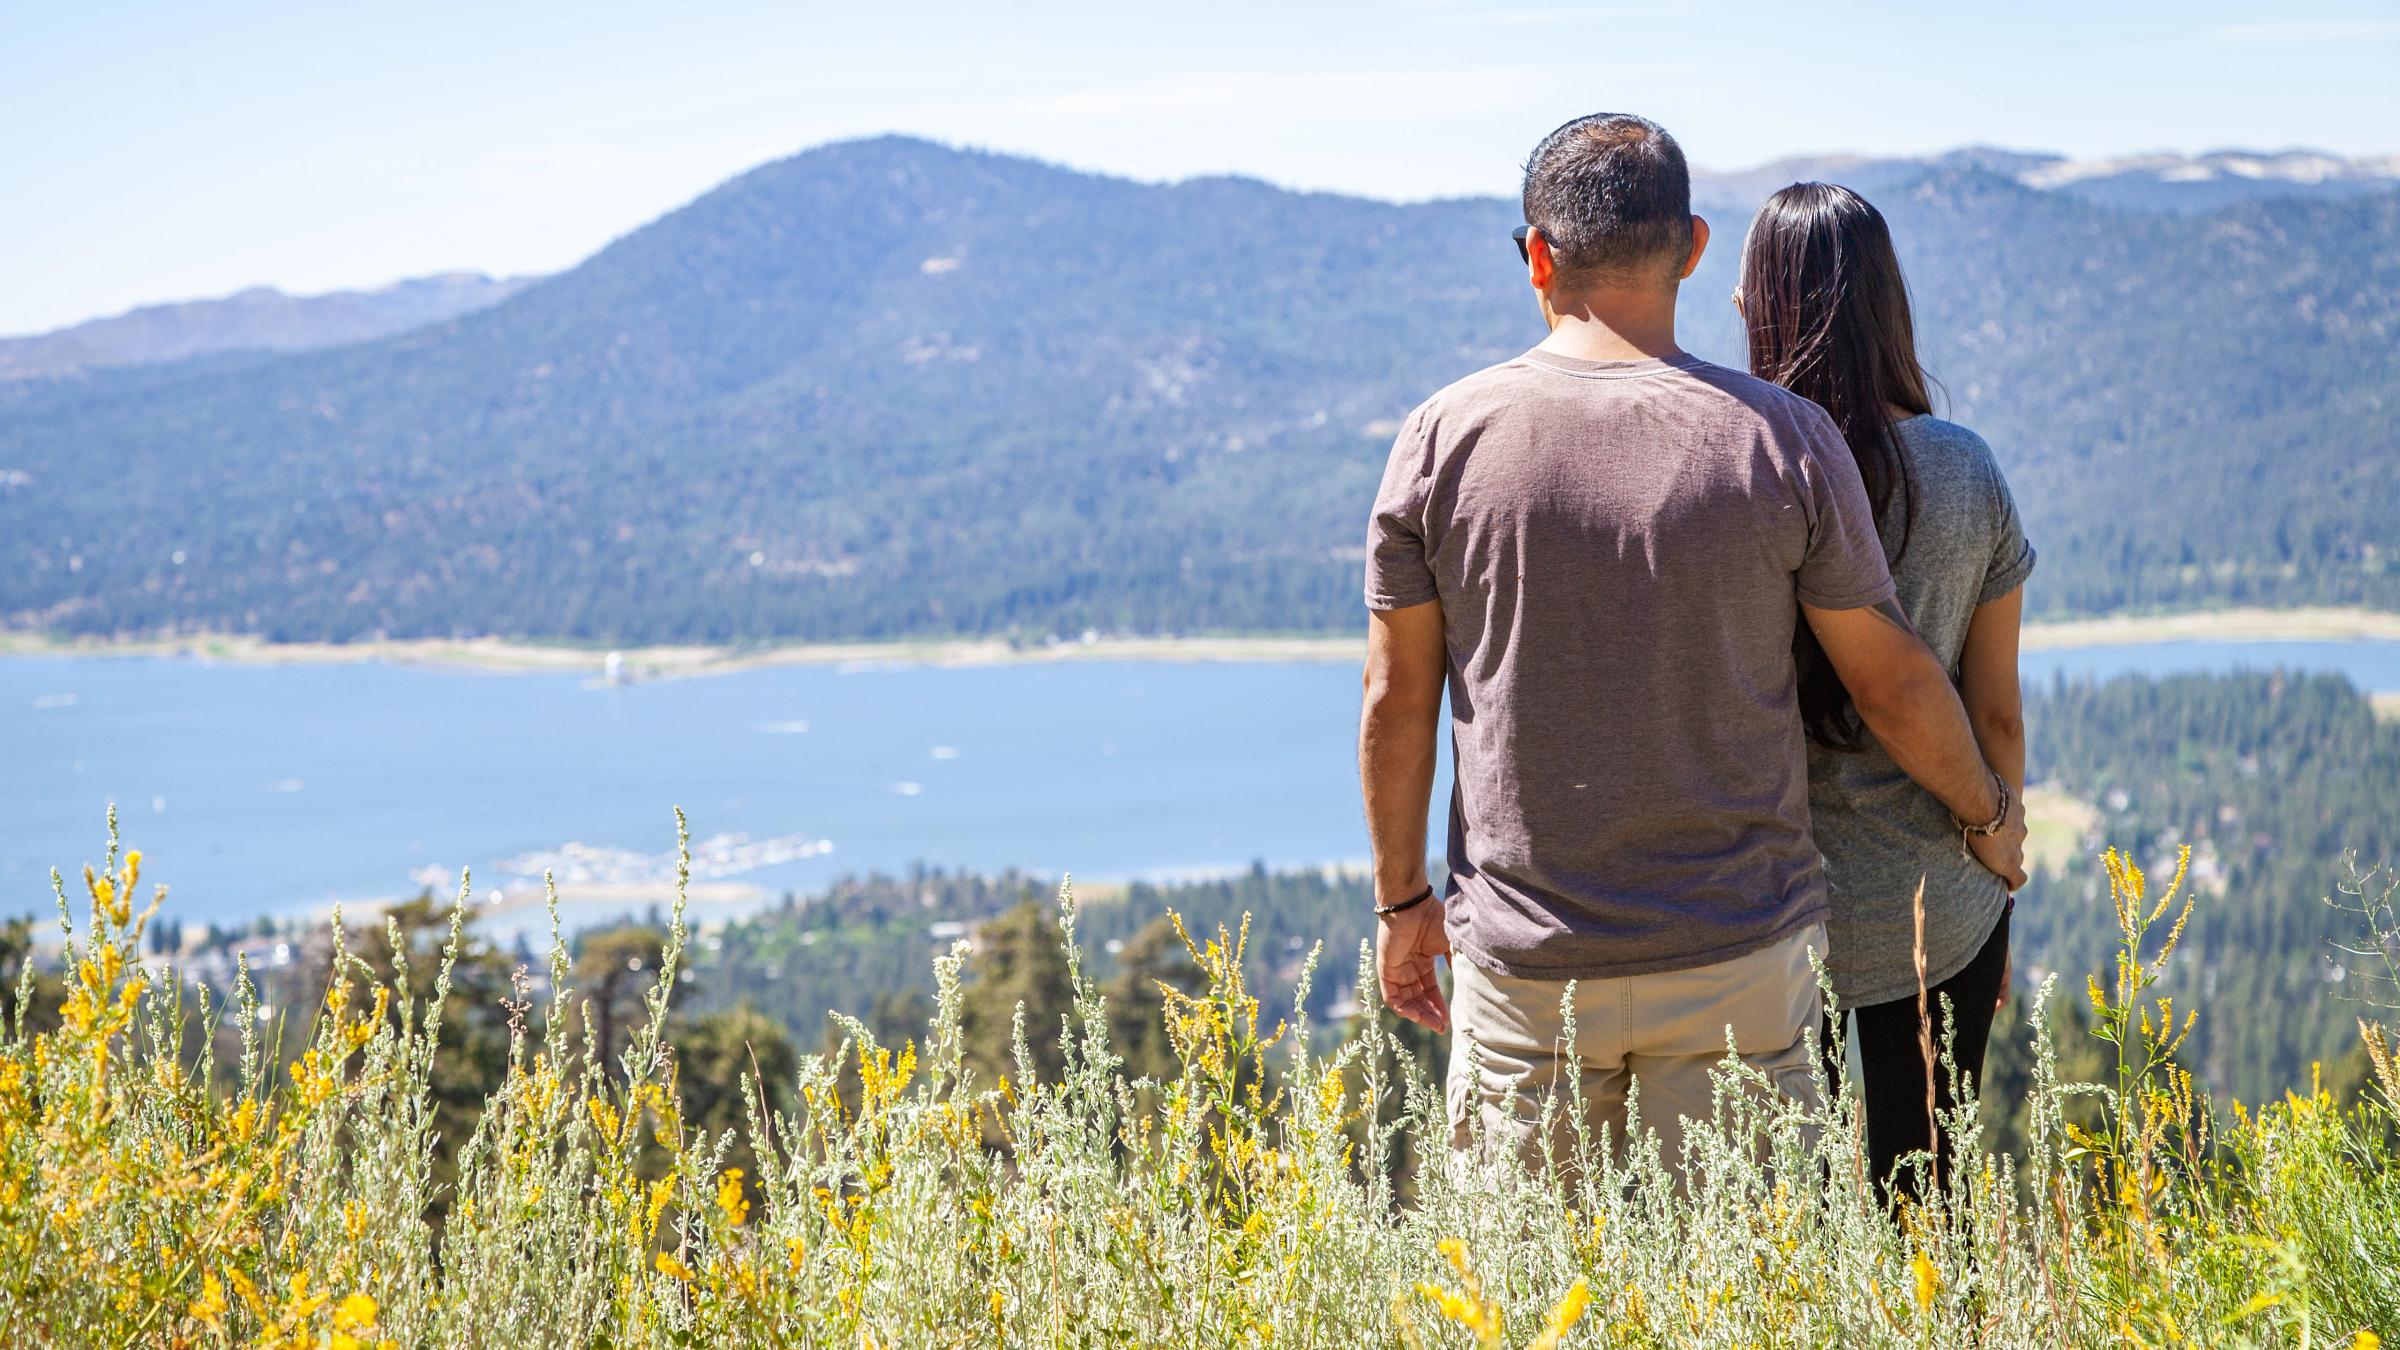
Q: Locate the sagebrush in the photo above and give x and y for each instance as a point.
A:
(1285, 1185)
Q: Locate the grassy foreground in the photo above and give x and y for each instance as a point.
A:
(1283, 1187)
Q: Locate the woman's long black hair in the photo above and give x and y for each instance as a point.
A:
(1828, 316)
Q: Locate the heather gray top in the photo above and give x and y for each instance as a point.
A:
(1881, 832)
(1619, 548)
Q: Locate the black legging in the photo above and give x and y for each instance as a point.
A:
(1892, 1060)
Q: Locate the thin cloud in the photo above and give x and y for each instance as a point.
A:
(2305, 30)
(1454, 14)
(1344, 96)
(551, 165)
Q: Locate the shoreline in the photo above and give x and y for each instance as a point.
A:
(512, 656)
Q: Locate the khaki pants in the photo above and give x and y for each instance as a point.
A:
(1668, 1030)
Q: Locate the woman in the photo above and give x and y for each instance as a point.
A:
(1828, 317)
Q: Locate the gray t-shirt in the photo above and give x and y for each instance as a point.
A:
(1619, 548)
(1880, 832)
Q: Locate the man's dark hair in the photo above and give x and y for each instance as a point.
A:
(1612, 195)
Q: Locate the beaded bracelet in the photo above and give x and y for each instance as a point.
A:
(1998, 820)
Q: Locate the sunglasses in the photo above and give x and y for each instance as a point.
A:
(1524, 253)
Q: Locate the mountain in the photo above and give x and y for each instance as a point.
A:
(258, 319)
(886, 387)
(2160, 182)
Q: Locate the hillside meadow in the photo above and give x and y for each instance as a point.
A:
(1279, 1184)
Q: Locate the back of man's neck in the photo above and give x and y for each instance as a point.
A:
(1595, 330)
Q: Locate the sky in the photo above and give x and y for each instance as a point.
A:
(166, 151)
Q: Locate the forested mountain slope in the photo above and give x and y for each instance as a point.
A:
(886, 387)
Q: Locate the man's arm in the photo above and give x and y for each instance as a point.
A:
(1905, 697)
(1398, 733)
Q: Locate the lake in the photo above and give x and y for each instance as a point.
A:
(272, 789)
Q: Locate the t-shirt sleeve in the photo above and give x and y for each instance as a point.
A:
(1844, 567)
(1399, 573)
(2012, 552)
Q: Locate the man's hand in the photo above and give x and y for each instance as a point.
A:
(2004, 852)
(1405, 945)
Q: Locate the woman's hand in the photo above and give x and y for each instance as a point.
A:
(1987, 685)
(2003, 851)
(1405, 945)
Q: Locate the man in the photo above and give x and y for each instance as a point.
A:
(1602, 548)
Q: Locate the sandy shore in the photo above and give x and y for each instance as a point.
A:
(2228, 625)
(508, 656)
(651, 663)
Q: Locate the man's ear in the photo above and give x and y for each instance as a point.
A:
(1540, 263)
(1699, 246)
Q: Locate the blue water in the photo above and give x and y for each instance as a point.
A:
(2371, 665)
(260, 789)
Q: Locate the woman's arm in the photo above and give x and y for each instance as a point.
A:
(1987, 685)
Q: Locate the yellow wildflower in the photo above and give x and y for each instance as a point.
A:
(604, 1119)
(209, 1308)
(1563, 1318)
(661, 1192)
(730, 1199)
(355, 1313)
(104, 890)
(1467, 1307)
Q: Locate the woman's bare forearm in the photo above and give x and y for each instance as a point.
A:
(2003, 742)
(1988, 686)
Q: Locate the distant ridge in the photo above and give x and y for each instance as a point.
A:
(258, 319)
(262, 318)
(892, 389)
(2158, 182)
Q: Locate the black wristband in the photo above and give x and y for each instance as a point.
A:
(1387, 911)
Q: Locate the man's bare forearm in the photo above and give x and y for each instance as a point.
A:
(1396, 755)
(1916, 715)
(1406, 665)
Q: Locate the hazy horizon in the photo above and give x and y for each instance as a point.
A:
(1718, 171)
